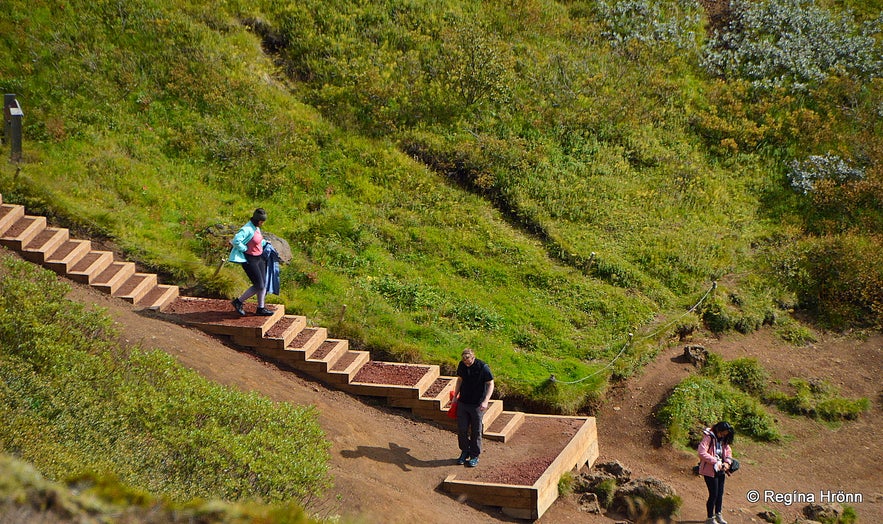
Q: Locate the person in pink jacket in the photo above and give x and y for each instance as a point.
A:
(715, 459)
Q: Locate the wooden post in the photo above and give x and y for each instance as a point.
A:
(12, 117)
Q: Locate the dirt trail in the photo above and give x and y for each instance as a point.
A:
(387, 466)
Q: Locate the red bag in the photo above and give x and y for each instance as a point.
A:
(452, 411)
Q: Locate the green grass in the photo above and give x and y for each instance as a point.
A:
(74, 402)
(27, 496)
(537, 204)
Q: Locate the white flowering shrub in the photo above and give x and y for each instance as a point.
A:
(650, 22)
(792, 43)
(805, 174)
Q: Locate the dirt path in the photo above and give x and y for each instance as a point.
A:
(387, 466)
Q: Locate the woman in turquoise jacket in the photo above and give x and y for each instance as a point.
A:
(248, 246)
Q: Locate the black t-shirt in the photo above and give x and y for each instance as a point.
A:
(473, 379)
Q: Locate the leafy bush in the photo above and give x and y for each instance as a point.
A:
(647, 22)
(792, 43)
(698, 402)
(837, 277)
(796, 333)
(747, 374)
(73, 401)
(804, 175)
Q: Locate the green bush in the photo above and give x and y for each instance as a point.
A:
(73, 401)
(747, 374)
(698, 402)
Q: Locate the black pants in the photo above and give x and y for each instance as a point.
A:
(256, 269)
(715, 487)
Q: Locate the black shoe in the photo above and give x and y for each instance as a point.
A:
(237, 305)
(264, 312)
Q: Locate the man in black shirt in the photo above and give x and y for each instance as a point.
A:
(475, 385)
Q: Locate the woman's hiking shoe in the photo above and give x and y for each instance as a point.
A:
(237, 305)
(263, 312)
(463, 458)
(472, 462)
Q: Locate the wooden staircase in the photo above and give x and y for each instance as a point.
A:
(54, 249)
(290, 341)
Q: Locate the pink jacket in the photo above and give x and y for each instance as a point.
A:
(709, 464)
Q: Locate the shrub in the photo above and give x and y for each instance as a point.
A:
(791, 43)
(837, 277)
(804, 175)
(628, 21)
(796, 334)
(747, 374)
(699, 401)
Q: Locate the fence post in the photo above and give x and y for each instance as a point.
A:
(12, 114)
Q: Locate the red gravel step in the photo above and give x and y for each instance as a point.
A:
(44, 243)
(158, 298)
(113, 277)
(136, 287)
(22, 231)
(346, 367)
(10, 214)
(90, 265)
(67, 255)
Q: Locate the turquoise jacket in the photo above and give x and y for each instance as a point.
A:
(240, 241)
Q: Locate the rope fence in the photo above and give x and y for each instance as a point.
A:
(628, 343)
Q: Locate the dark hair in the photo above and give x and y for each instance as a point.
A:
(259, 216)
(724, 426)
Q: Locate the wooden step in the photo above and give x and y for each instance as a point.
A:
(323, 357)
(505, 426)
(10, 214)
(494, 408)
(22, 231)
(67, 255)
(113, 277)
(136, 286)
(346, 367)
(44, 243)
(89, 266)
(431, 372)
(306, 341)
(427, 402)
(277, 337)
(158, 298)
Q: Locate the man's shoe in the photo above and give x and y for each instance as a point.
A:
(472, 462)
(263, 312)
(463, 458)
(237, 305)
(719, 519)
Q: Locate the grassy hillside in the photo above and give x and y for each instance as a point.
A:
(74, 402)
(533, 179)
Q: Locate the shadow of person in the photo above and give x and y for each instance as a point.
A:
(395, 454)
